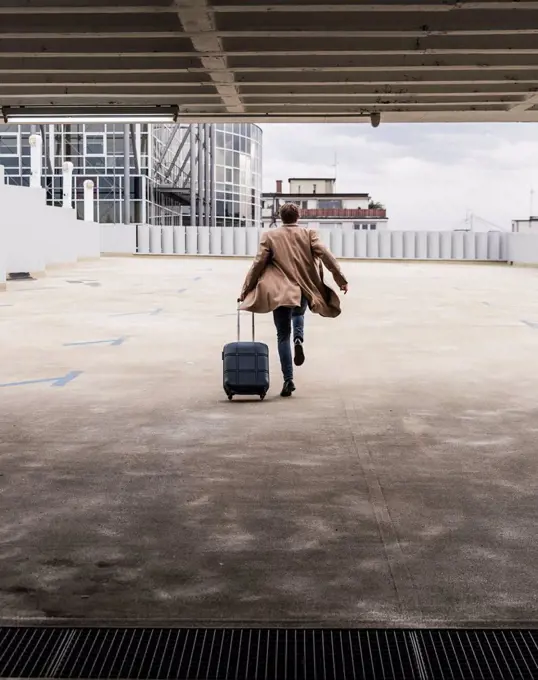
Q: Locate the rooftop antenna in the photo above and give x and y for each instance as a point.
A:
(335, 164)
(531, 202)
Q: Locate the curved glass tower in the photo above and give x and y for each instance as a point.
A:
(238, 174)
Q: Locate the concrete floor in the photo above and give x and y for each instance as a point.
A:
(398, 486)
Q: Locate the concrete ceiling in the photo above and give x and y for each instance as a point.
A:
(272, 61)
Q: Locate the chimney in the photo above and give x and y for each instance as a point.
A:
(279, 186)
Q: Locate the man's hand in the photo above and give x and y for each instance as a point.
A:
(344, 288)
(241, 298)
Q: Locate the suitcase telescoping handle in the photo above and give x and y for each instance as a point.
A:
(239, 323)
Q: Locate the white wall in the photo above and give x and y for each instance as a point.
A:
(525, 226)
(3, 253)
(120, 239)
(354, 203)
(34, 235)
(523, 248)
(20, 208)
(89, 240)
(411, 245)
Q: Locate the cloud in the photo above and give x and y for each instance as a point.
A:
(428, 176)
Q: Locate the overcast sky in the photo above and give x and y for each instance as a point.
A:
(428, 176)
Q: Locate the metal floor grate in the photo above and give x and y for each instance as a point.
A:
(267, 654)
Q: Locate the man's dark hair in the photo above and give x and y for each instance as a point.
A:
(289, 213)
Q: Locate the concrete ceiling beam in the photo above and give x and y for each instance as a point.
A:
(198, 21)
(413, 67)
(170, 97)
(387, 6)
(163, 7)
(181, 47)
(285, 79)
(149, 90)
(127, 81)
(427, 76)
(145, 100)
(395, 89)
(525, 105)
(108, 92)
(364, 62)
(531, 28)
(88, 7)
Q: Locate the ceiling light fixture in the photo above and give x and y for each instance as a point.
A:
(375, 119)
(26, 115)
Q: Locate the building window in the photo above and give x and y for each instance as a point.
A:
(94, 145)
(373, 227)
(314, 187)
(333, 204)
(9, 145)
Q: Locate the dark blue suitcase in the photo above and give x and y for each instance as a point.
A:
(245, 366)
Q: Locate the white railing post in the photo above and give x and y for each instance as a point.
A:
(88, 201)
(36, 159)
(67, 184)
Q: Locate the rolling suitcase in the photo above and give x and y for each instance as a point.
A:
(245, 365)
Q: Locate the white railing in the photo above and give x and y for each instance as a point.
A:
(387, 245)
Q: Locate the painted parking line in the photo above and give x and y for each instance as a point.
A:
(86, 282)
(27, 290)
(152, 312)
(54, 382)
(116, 342)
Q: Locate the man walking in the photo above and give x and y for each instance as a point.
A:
(285, 278)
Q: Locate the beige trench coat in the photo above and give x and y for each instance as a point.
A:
(288, 265)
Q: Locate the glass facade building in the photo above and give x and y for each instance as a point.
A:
(238, 167)
(178, 174)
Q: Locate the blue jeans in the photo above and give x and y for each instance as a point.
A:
(285, 318)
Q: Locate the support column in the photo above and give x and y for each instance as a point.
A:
(67, 185)
(192, 144)
(136, 149)
(88, 201)
(36, 159)
(200, 154)
(126, 176)
(207, 182)
(213, 186)
(144, 200)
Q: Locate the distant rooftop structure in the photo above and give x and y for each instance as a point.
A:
(312, 185)
(527, 226)
(323, 207)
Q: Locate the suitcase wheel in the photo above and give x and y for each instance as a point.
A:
(262, 395)
(230, 397)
